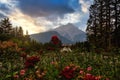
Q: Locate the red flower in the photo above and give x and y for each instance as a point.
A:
(23, 49)
(68, 72)
(24, 55)
(31, 61)
(55, 40)
(90, 77)
(29, 65)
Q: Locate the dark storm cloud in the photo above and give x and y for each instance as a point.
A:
(47, 7)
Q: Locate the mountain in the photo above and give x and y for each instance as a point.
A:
(68, 34)
(46, 37)
(71, 32)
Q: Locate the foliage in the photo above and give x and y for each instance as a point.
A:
(31, 61)
(84, 46)
(5, 26)
(8, 49)
(54, 65)
(5, 29)
(9, 55)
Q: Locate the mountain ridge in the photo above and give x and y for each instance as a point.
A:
(71, 32)
(68, 34)
(45, 37)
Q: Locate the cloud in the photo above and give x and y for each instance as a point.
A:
(51, 13)
(46, 7)
(7, 6)
(41, 15)
(51, 22)
(2, 13)
(85, 4)
(17, 18)
(70, 18)
(4, 9)
(26, 22)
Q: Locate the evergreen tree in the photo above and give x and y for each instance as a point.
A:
(5, 29)
(5, 26)
(116, 22)
(103, 23)
(20, 32)
(94, 29)
(27, 36)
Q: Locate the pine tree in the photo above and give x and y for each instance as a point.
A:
(94, 30)
(27, 36)
(116, 22)
(20, 32)
(5, 26)
(103, 23)
(5, 29)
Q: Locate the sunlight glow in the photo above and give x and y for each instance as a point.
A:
(25, 21)
(84, 5)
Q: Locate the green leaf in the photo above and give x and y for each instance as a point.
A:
(8, 76)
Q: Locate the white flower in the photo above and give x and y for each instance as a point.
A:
(66, 49)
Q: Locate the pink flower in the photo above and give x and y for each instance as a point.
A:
(88, 75)
(67, 67)
(89, 68)
(16, 76)
(52, 62)
(97, 77)
(81, 72)
(74, 68)
(22, 72)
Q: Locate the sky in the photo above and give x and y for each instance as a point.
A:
(42, 15)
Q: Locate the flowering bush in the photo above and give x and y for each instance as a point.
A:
(69, 72)
(40, 73)
(75, 72)
(55, 40)
(31, 61)
(8, 47)
(91, 77)
(9, 50)
(51, 66)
